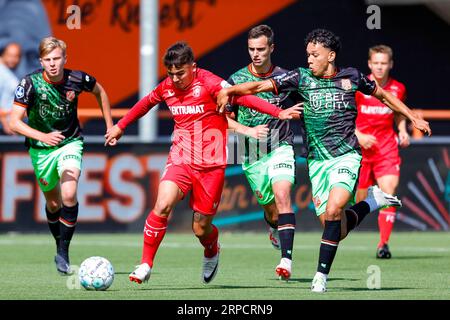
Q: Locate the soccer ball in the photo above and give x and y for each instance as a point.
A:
(96, 273)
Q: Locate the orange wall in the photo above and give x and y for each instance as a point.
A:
(107, 45)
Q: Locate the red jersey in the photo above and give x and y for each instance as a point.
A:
(377, 119)
(199, 137)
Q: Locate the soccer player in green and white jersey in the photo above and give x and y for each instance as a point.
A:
(49, 99)
(334, 154)
(270, 170)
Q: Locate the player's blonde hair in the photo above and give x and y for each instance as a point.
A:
(381, 48)
(49, 44)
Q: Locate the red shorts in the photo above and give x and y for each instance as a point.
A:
(206, 185)
(372, 169)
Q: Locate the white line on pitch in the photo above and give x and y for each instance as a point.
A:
(349, 247)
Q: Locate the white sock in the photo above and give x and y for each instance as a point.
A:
(373, 205)
(322, 275)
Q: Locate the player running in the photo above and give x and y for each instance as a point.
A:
(334, 154)
(197, 157)
(49, 99)
(270, 172)
(374, 129)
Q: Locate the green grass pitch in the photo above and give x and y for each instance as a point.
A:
(419, 268)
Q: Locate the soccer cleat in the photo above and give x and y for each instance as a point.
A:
(274, 238)
(210, 267)
(283, 270)
(382, 199)
(383, 252)
(141, 273)
(62, 265)
(319, 283)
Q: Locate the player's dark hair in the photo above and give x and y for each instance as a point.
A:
(178, 55)
(3, 49)
(326, 38)
(262, 30)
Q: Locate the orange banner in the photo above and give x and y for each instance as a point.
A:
(107, 43)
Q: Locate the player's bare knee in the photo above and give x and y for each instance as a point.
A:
(201, 225)
(69, 198)
(163, 208)
(200, 230)
(53, 206)
(283, 200)
(333, 213)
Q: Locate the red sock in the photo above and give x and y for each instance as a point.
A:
(386, 219)
(210, 243)
(154, 231)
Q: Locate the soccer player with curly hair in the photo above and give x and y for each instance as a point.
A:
(334, 154)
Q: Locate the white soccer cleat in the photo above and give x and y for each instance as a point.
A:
(210, 267)
(274, 238)
(319, 283)
(141, 274)
(382, 199)
(283, 270)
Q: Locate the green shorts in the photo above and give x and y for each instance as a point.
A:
(275, 166)
(341, 172)
(49, 164)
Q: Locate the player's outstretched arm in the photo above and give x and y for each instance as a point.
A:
(261, 105)
(137, 111)
(103, 101)
(398, 106)
(257, 132)
(18, 126)
(247, 88)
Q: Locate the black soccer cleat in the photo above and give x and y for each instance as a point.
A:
(383, 252)
(62, 265)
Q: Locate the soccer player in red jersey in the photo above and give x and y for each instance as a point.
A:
(197, 157)
(379, 141)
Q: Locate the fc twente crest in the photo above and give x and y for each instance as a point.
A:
(346, 84)
(70, 95)
(196, 91)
